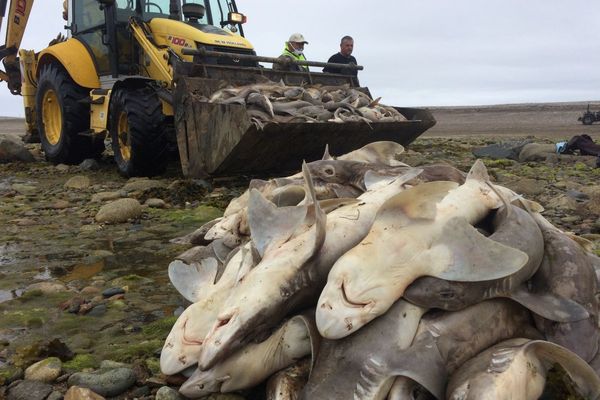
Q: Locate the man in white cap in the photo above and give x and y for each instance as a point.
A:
(294, 50)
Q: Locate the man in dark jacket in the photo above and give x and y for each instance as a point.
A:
(343, 57)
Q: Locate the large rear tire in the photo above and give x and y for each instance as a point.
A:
(137, 130)
(61, 117)
(588, 119)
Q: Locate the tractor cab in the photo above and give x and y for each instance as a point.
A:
(104, 27)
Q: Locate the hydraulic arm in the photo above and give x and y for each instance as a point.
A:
(17, 17)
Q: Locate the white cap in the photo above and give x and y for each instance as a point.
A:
(297, 38)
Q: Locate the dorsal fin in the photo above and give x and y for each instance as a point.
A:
(374, 180)
(320, 217)
(479, 172)
(374, 102)
(326, 155)
(271, 226)
(419, 202)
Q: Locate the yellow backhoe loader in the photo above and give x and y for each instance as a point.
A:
(140, 72)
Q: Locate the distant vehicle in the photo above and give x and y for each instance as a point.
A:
(589, 117)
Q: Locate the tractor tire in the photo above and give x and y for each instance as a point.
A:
(61, 117)
(137, 130)
(587, 120)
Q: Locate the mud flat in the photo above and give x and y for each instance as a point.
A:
(551, 120)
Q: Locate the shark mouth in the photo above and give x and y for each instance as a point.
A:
(349, 302)
(188, 340)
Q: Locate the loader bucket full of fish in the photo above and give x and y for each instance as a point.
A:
(361, 277)
(231, 121)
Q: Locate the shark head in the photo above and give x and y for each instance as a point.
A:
(243, 319)
(351, 299)
(202, 383)
(182, 346)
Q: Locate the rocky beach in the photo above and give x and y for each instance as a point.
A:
(85, 300)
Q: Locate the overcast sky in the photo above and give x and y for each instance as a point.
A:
(422, 53)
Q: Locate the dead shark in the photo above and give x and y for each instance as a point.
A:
(363, 365)
(568, 271)
(516, 369)
(341, 363)
(426, 230)
(295, 339)
(292, 274)
(184, 342)
(515, 228)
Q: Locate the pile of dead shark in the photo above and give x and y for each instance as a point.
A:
(364, 278)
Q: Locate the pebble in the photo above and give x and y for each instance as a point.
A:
(10, 374)
(141, 184)
(56, 395)
(44, 371)
(80, 393)
(101, 197)
(77, 182)
(97, 311)
(106, 383)
(60, 204)
(156, 203)
(167, 393)
(47, 287)
(29, 390)
(113, 291)
(119, 211)
(89, 164)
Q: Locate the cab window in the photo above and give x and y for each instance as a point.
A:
(87, 14)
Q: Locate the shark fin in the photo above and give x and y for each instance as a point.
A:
(289, 195)
(585, 378)
(320, 217)
(549, 306)
(326, 155)
(419, 202)
(463, 254)
(423, 363)
(328, 205)
(479, 172)
(271, 226)
(190, 280)
(373, 179)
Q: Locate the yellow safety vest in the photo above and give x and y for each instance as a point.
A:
(296, 57)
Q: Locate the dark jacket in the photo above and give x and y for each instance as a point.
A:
(338, 58)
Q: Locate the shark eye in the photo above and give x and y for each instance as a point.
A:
(329, 171)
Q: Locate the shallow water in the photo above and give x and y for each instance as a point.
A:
(41, 243)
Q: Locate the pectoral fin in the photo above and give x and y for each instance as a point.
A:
(549, 306)
(191, 280)
(271, 226)
(461, 253)
(423, 363)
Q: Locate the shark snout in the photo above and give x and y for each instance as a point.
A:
(339, 313)
(219, 339)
